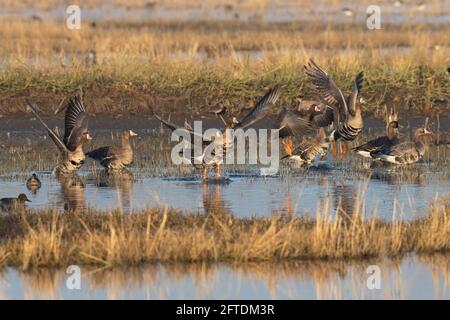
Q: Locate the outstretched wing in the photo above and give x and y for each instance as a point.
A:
(261, 108)
(56, 139)
(357, 85)
(328, 90)
(173, 126)
(74, 121)
(290, 124)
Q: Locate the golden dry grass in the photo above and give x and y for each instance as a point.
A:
(190, 67)
(52, 238)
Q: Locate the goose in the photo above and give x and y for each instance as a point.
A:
(301, 122)
(379, 143)
(223, 140)
(115, 158)
(307, 151)
(75, 135)
(8, 204)
(347, 117)
(33, 183)
(407, 152)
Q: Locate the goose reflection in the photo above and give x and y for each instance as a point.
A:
(213, 201)
(346, 199)
(121, 181)
(401, 176)
(72, 192)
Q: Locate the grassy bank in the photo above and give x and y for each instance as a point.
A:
(192, 67)
(43, 239)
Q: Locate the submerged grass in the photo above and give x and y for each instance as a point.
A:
(52, 238)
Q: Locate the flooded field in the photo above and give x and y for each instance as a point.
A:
(425, 277)
(154, 180)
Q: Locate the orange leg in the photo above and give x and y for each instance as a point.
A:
(218, 174)
(344, 149)
(205, 173)
(333, 147)
(287, 144)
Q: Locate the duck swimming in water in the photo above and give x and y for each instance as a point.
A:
(8, 204)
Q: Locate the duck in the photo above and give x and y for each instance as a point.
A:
(223, 139)
(8, 204)
(76, 134)
(115, 158)
(33, 183)
(307, 151)
(347, 113)
(383, 142)
(407, 152)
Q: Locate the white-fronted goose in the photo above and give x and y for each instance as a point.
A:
(33, 183)
(115, 158)
(408, 152)
(379, 143)
(347, 117)
(222, 142)
(303, 121)
(308, 150)
(75, 135)
(8, 204)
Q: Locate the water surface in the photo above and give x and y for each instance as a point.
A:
(412, 278)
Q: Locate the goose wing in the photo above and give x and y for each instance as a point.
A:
(173, 126)
(74, 125)
(373, 145)
(290, 124)
(328, 90)
(357, 85)
(261, 108)
(56, 139)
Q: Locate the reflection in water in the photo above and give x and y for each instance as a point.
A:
(423, 277)
(213, 201)
(72, 192)
(121, 182)
(400, 176)
(330, 192)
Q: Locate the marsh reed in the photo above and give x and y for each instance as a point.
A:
(88, 237)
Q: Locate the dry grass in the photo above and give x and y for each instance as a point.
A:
(190, 67)
(44, 239)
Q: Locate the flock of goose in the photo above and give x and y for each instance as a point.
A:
(337, 114)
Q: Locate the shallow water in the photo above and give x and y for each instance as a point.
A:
(154, 180)
(304, 191)
(412, 278)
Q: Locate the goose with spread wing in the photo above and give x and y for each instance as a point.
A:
(306, 120)
(223, 140)
(75, 135)
(347, 116)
